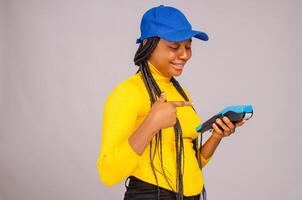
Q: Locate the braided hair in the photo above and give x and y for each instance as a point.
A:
(140, 59)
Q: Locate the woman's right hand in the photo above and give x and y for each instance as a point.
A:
(163, 113)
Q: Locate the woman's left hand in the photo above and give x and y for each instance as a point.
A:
(227, 127)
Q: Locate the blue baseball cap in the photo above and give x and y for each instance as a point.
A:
(168, 23)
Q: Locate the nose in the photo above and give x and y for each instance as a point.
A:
(184, 53)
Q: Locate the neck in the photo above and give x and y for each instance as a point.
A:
(157, 75)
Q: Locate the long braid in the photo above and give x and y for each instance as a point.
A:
(158, 138)
(140, 59)
(196, 146)
(141, 56)
(153, 90)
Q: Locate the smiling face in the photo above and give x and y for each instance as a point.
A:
(170, 57)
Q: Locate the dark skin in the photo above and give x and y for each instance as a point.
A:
(170, 58)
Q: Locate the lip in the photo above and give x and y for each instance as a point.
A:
(178, 66)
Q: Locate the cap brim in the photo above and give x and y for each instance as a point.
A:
(201, 35)
(179, 36)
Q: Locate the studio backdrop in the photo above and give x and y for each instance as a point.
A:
(60, 60)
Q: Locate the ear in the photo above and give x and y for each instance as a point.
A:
(144, 41)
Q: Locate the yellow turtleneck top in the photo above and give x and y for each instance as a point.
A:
(125, 109)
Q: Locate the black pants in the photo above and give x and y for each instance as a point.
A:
(140, 190)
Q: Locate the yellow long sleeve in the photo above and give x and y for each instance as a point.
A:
(119, 117)
(125, 109)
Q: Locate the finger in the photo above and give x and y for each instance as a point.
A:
(162, 97)
(181, 103)
(217, 129)
(240, 123)
(226, 129)
(230, 124)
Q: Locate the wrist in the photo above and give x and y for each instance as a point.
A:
(216, 135)
(152, 124)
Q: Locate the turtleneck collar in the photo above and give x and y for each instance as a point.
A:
(157, 75)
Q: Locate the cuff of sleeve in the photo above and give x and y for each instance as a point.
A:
(205, 161)
(128, 153)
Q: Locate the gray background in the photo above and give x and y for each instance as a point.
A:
(60, 59)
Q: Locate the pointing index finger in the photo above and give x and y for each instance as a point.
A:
(181, 103)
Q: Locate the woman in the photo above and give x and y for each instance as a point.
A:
(148, 132)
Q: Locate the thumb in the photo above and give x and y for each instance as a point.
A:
(162, 98)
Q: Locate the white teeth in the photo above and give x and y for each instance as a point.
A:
(178, 66)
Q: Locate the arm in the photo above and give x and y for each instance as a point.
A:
(209, 148)
(118, 124)
(162, 115)
(120, 141)
(211, 144)
(143, 135)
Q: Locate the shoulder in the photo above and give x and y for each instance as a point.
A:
(127, 90)
(128, 86)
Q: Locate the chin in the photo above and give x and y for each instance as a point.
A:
(177, 72)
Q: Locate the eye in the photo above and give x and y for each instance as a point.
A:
(188, 47)
(174, 47)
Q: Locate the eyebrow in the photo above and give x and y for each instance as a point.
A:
(190, 40)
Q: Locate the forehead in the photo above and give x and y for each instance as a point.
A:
(163, 41)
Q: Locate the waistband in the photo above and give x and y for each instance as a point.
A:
(137, 184)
